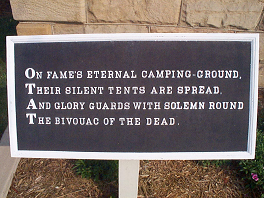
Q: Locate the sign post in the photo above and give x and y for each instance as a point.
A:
(128, 178)
(133, 97)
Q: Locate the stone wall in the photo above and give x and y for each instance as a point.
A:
(141, 16)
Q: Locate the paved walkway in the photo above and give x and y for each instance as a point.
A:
(8, 165)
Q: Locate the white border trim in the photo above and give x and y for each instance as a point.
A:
(253, 102)
(135, 156)
(250, 154)
(11, 96)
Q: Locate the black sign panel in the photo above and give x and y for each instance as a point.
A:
(134, 96)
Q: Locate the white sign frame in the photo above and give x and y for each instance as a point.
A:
(249, 154)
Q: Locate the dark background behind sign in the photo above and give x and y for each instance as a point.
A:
(198, 130)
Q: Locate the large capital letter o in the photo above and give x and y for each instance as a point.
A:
(27, 73)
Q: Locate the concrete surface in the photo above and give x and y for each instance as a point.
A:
(8, 165)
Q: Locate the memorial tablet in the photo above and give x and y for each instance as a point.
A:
(133, 96)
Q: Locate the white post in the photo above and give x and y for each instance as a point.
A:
(128, 178)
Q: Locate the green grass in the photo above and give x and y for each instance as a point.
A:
(7, 28)
(3, 98)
